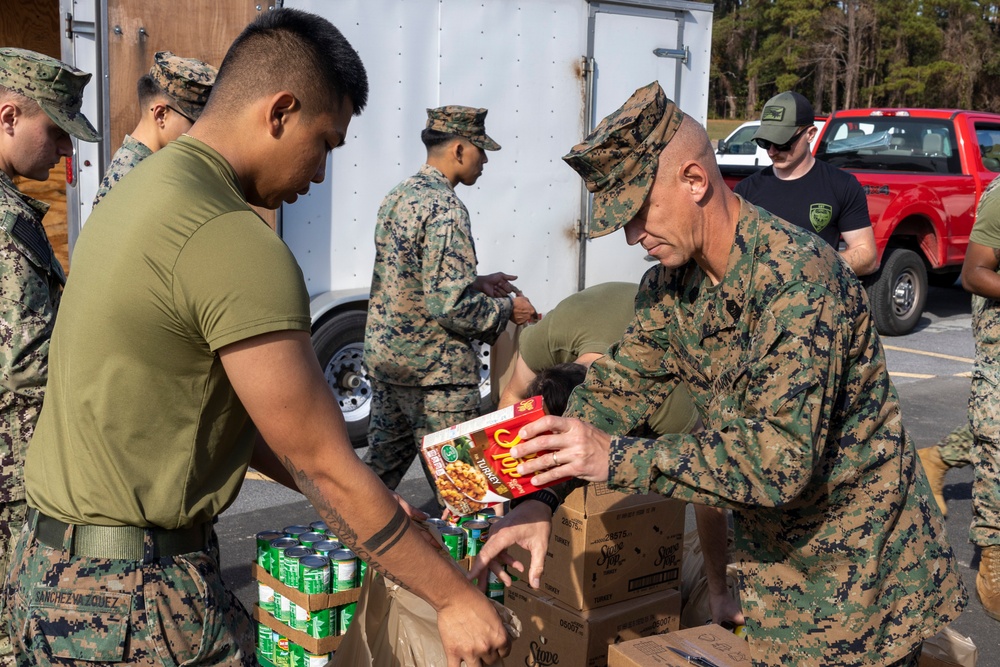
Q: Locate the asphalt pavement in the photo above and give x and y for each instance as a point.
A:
(930, 368)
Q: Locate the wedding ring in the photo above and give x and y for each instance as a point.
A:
(554, 459)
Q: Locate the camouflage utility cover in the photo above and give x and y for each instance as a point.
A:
(31, 281)
(54, 85)
(464, 122)
(423, 313)
(129, 154)
(186, 80)
(841, 549)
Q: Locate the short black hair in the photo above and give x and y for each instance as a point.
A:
(291, 49)
(555, 384)
(434, 139)
(147, 90)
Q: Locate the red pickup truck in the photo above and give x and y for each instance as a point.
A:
(923, 171)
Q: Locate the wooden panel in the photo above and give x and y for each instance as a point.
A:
(34, 24)
(137, 29)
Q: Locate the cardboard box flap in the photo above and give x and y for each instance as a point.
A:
(598, 497)
(712, 642)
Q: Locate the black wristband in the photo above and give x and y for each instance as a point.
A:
(543, 496)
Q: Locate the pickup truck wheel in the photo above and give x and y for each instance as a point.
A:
(340, 345)
(898, 292)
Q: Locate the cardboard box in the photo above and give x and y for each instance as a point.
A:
(721, 647)
(552, 633)
(471, 461)
(633, 547)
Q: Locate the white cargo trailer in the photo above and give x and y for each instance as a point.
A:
(547, 70)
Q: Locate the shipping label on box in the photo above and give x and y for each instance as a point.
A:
(471, 461)
(554, 634)
(711, 643)
(613, 556)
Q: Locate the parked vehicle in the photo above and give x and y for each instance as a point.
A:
(547, 70)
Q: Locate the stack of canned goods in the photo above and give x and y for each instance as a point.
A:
(309, 559)
(466, 539)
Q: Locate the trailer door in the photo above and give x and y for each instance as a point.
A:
(630, 50)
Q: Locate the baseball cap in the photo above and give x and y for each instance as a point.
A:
(782, 115)
(186, 80)
(618, 160)
(465, 122)
(54, 85)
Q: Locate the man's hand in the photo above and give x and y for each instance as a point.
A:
(725, 609)
(471, 631)
(572, 448)
(528, 525)
(495, 284)
(523, 311)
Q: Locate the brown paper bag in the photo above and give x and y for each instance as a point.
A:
(503, 354)
(948, 649)
(392, 626)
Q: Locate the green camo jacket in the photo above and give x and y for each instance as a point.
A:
(423, 314)
(841, 550)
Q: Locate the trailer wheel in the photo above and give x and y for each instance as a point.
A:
(898, 292)
(340, 345)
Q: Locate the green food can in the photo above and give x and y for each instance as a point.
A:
(277, 547)
(494, 588)
(295, 531)
(264, 539)
(345, 614)
(330, 535)
(311, 538)
(321, 623)
(343, 570)
(265, 597)
(282, 655)
(298, 654)
(362, 568)
(265, 642)
(475, 532)
(318, 526)
(326, 547)
(290, 565)
(318, 659)
(314, 574)
(454, 540)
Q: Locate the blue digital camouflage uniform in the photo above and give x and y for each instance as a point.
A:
(31, 281)
(423, 318)
(128, 155)
(842, 553)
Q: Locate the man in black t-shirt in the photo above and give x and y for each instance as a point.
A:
(809, 192)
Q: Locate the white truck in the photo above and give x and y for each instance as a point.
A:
(547, 70)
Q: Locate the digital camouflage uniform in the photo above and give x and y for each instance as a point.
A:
(31, 282)
(188, 83)
(423, 314)
(842, 554)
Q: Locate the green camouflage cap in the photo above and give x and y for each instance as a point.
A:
(618, 160)
(186, 80)
(782, 116)
(54, 85)
(465, 122)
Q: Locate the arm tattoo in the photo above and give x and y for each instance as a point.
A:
(377, 545)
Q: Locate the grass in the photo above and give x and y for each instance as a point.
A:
(719, 128)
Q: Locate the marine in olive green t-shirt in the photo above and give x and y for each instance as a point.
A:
(590, 321)
(140, 424)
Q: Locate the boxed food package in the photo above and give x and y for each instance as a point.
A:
(713, 644)
(471, 461)
(629, 548)
(554, 634)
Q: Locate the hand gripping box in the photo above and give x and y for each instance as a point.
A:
(471, 462)
(712, 644)
(554, 634)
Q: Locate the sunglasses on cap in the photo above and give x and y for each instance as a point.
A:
(766, 145)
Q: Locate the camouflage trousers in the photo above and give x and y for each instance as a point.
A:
(71, 610)
(402, 416)
(11, 520)
(984, 418)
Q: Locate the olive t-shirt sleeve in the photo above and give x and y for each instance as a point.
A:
(256, 287)
(986, 231)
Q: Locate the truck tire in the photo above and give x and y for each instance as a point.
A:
(898, 292)
(340, 345)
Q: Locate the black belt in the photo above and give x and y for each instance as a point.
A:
(120, 542)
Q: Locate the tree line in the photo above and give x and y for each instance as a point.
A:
(855, 53)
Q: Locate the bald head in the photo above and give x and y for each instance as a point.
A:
(691, 144)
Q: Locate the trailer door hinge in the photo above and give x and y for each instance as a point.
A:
(74, 28)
